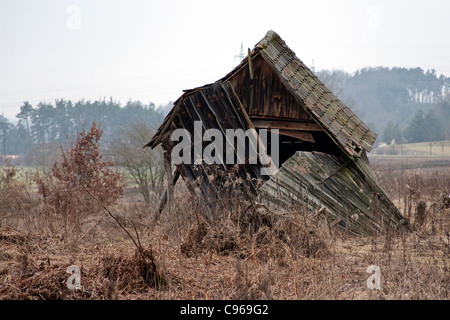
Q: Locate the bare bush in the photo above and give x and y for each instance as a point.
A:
(14, 196)
(144, 166)
(64, 197)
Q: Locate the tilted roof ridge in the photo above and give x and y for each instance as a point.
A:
(303, 80)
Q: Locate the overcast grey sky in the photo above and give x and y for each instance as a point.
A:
(152, 50)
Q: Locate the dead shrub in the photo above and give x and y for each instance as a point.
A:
(12, 236)
(225, 239)
(65, 201)
(301, 240)
(132, 273)
(247, 287)
(256, 231)
(278, 235)
(220, 238)
(109, 277)
(194, 241)
(34, 280)
(15, 199)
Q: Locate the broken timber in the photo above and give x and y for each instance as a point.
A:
(323, 145)
(163, 199)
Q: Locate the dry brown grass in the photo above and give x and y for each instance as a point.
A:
(248, 253)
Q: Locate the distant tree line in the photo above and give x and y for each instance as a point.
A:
(432, 125)
(59, 123)
(405, 104)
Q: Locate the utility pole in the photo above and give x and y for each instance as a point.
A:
(241, 55)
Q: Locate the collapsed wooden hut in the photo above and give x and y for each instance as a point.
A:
(321, 151)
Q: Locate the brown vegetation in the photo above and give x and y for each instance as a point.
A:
(69, 193)
(249, 252)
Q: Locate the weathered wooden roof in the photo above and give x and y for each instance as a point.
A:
(217, 107)
(343, 126)
(348, 192)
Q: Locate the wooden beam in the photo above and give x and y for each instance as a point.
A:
(250, 64)
(335, 222)
(304, 136)
(167, 167)
(168, 195)
(163, 199)
(286, 125)
(201, 197)
(260, 145)
(336, 171)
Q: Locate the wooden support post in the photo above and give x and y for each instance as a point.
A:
(250, 64)
(163, 199)
(167, 195)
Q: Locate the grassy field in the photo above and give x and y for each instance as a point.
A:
(239, 256)
(438, 148)
(430, 163)
(434, 148)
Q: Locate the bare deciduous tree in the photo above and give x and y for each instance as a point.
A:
(144, 166)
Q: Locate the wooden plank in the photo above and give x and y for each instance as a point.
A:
(170, 180)
(337, 170)
(285, 125)
(163, 200)
(335, 222)
(260, 145)
(347, 191)
(304, 136)
(250, 64)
